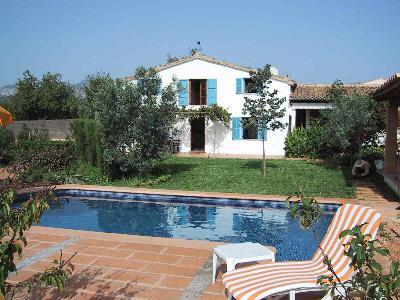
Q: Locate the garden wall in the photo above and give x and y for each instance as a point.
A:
(57, 129)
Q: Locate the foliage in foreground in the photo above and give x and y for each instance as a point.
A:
(15, 219)
(368, 280)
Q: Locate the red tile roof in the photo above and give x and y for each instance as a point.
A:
(318, 92)
(213, 60)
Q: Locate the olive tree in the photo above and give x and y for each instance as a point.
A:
(352, 121)
(265, 109)
(135, 120)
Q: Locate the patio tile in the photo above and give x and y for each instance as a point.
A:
(104, 287)
(192, 261)
(176, 282)
(91, 296)
(77, 259)
(132, 291)
(217, 287)
(170, 270)
(208, 296)
(141, 247)
(42, 245)
(40, 266)
(187, 252)
(134, 276)
(75, 248)
(98, 243)
(106, 252)
(21, 275)
(31, 243)
(154, 257)
(49, 237)
(118, 263)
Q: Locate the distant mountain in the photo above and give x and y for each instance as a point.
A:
(8, 90)
(79, 88)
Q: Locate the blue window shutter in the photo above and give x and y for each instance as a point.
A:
(259, 134)
(239, 85)
(184, 95)
(211, 91)
(237, 130)
(159, 90)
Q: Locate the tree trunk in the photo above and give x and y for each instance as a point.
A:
(264, 162)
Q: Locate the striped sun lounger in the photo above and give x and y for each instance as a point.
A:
(262, 280)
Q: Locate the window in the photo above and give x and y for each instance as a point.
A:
(249, 129)
(198, 91)
(248, 86)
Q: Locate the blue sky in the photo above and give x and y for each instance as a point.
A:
(311, 41)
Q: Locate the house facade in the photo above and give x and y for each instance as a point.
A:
(207, 81)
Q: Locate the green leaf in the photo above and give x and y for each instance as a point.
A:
(377, 266)
(394, 268)
(382, 251)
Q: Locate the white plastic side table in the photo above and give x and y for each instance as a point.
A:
(234, 254)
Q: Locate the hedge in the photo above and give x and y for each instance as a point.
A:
(88, 141)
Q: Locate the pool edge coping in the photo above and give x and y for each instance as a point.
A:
(257, 197)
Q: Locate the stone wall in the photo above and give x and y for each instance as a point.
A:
(57, 129)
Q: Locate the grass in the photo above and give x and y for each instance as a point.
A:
(284, 177)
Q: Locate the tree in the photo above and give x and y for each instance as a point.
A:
(135, 121)
(352, 121)
(49, 98)
(264, 110)
(23, 102)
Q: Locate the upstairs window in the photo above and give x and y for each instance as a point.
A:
(198, 91)
(249, 86)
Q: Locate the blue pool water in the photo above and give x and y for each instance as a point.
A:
(267, 223)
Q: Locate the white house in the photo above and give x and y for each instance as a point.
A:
(208, 81)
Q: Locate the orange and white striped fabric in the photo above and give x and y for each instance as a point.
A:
(262, 280)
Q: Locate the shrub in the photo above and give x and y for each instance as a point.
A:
(47, 156)
(305, 143)
(7, 144)
(135, 121)
(372, 153)
(24, 133)
(88, 141)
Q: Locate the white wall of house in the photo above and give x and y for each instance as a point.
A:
(218, 137)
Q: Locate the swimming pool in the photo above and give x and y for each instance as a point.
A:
(183, 217)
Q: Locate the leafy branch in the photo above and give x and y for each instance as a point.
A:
(214, 113)
(55, 276)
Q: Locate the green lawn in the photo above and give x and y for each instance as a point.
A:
(284, 177)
